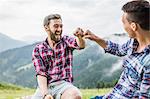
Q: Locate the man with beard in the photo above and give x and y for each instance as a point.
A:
(134, 82)
(52, 60)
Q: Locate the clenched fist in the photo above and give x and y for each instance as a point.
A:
(79, 32)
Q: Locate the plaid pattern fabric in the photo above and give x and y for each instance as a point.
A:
(55, 64)
(134, 82)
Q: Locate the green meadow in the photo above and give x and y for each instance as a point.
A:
(8, 91)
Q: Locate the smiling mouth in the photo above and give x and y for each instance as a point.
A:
(57, 33)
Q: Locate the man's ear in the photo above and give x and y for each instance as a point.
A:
(133, 26)
(46, 28)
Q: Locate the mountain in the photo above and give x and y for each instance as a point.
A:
(90, 66)
(9, 43)
(16, 66)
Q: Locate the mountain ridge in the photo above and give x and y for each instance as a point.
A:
(90, 66)
(7, 42)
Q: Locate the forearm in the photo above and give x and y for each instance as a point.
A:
(100, 41)
(42, 82)
(111, 48)
(80, 42)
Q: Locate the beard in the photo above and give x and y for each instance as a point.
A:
(56, 36)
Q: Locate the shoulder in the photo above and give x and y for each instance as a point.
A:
(68, 38)
(130, 42)
(146, 60)
(40, 46)
(65, 37)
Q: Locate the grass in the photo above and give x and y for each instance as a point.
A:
(9, 91)
(16, 92)
(87, 93)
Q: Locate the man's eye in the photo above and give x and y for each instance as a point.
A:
(56, 26)
(61, 26)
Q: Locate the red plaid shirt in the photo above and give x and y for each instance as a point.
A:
(55, 64)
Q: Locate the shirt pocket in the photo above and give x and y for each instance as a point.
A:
(47, 57)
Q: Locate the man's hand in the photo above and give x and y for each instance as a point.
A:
(89, 35)
(79, 37)
(48, 97)
(79, 32)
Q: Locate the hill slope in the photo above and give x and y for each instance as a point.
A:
(90, 66)
(9, 43)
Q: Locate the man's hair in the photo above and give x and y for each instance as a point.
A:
(138, 12)
(50, 17)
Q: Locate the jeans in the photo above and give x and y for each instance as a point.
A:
(56, 89)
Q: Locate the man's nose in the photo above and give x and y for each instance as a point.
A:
(59, 28)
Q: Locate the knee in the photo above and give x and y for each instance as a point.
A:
(78, 97)
(72, 93)
(76, 94)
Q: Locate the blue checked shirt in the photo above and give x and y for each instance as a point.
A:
(134, 82)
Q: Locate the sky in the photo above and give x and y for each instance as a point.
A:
(23, 19)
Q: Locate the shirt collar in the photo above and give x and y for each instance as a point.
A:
(147, 49)
(136, 44)
(47, 44)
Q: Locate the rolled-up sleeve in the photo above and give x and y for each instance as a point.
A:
(38, 62)
(71, 42)
(145, 84)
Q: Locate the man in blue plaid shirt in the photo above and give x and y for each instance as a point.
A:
(134, 82)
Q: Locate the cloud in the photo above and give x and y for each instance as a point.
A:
(8, 10)
(78, 4)
(19, 2)
(21, 18)
(114, 68)
(6, 16)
